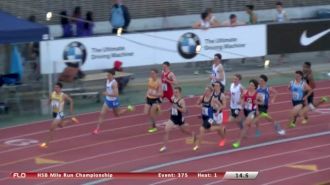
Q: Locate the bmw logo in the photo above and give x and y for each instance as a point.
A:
(187, 45)
(75, 51)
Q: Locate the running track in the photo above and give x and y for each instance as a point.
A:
(124, 145)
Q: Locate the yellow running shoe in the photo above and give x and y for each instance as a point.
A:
(130, 108)
(152, 130)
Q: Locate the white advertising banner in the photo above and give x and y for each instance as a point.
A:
(138, 49)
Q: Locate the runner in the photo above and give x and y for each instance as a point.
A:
(168, 80)
(213, 102)
(218, 72)
(111, 100)
(236, 92)
(299, 98)
(250, 108)
(57, 101)
(153, 94)
(177, 118)
(264, 92)
(309, 78)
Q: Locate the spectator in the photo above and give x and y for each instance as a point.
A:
(213, 20)
(281, 15)
(119, 17)
(66, 25)
(232, 21)
(88, 26)
(78, 20)
(252, 16)
(205, 23)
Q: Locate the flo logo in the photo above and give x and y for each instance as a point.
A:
(75, 51)
(187, 45)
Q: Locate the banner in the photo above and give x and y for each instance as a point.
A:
(139, 49)
(298, 37)
(233, 175)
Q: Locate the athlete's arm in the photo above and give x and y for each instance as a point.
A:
(224, 101)
(221, 72)
(242, 95)
(308, 89)
(172, 79)
(199, 101)
(311, 81)
(66, 97)
(259, 99)
(274, 94)
(182, 103)
(159, 89)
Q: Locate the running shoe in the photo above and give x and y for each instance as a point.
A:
(43, 145)
(281, 132)
(152, 130)
(130, 108)
(222, 142)
(325, 99)
(236, 144)
(196, 148)
(162, 149)
(96, 131)
(304, 121)
(292, 125)
(278, 129)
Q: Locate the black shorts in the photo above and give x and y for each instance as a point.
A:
(235, 112)
(151, 101)
(310, 98)
(58, 115)
(263, 108)
(206, 122)
(248, 112)
(177, 121)
(295, 103)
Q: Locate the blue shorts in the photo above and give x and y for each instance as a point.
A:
(112, 104)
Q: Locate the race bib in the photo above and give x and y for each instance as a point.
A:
(263, 97)
(174, 112)
(205, 111)
(164, 86)
(55, 105)
(248, 106)
(295, 96)
(210, 121)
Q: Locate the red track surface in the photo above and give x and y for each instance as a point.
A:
(125, 145)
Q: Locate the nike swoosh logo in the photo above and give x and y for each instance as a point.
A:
(305, 41)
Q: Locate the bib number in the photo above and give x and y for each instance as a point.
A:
(295, 96)
(174, 112)
(205, 111)
(164, 86)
